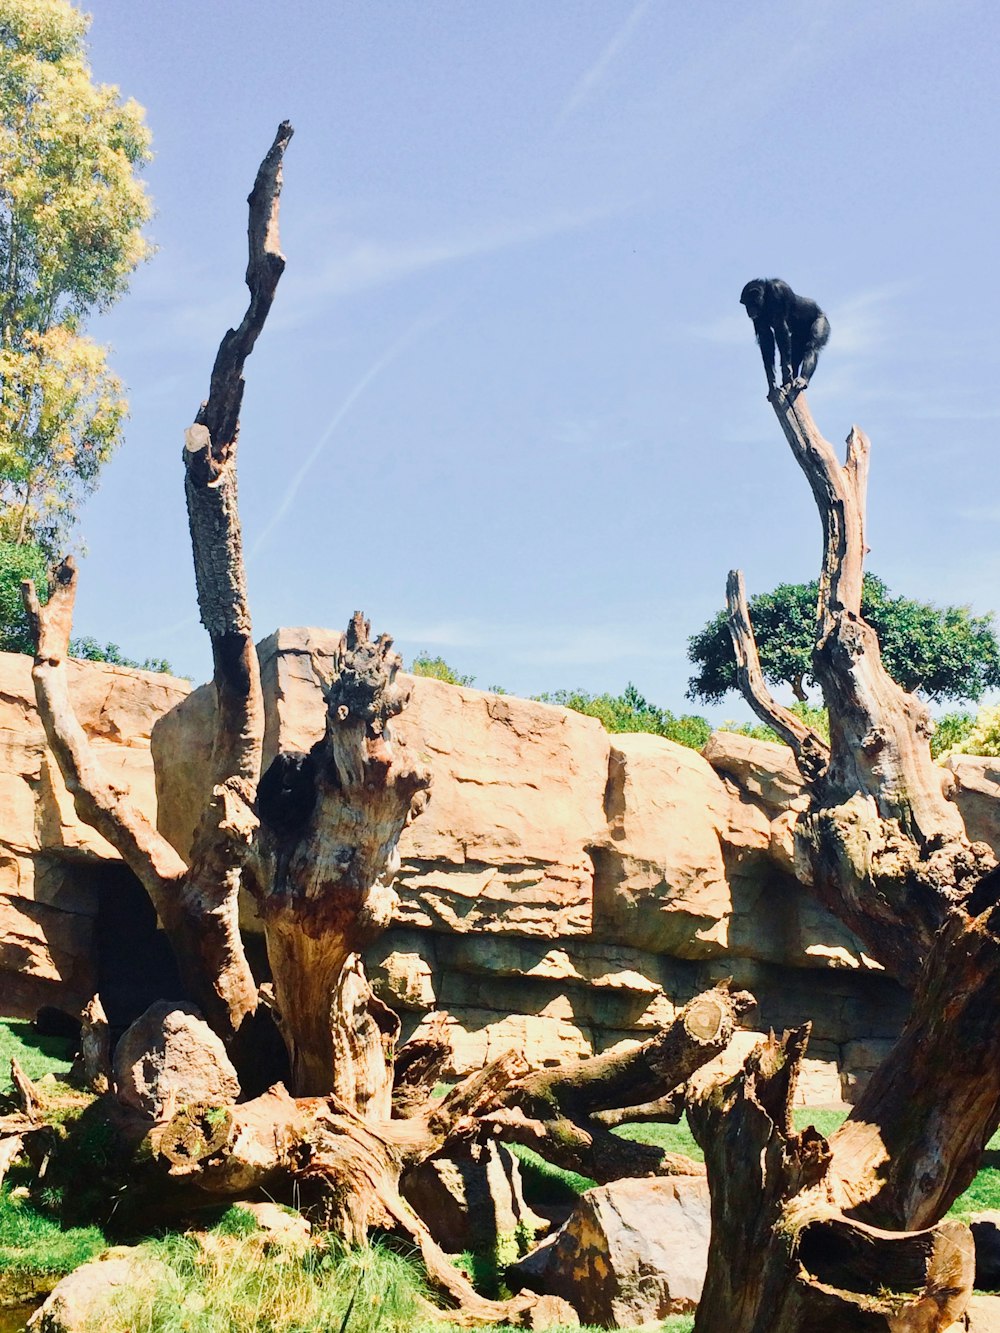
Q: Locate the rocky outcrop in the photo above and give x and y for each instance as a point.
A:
(566, 891)
(51, 881)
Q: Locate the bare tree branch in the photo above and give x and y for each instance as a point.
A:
(811, 752)
(97, 800)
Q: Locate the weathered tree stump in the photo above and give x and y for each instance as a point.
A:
(846, 1234)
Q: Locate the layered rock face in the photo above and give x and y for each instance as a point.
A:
(565, 890)
(63, 893)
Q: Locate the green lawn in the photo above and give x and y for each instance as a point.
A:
(36, 1055)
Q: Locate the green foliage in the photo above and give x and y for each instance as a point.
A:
(71, 214)
(951, 731)
(438, 669)
(16, 563)
(629, 711)
(236, 1221)
(983, 735)
(89, 650)
(940, 652)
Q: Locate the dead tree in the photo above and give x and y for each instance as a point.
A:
(846, 1234)
(314, 840)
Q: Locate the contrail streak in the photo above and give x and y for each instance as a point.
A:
(420, 325)
(593, 77)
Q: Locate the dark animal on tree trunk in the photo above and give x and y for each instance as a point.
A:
(794, 323)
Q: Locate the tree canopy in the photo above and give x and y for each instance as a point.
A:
(71, 214)
(938, 652)
(629, 711)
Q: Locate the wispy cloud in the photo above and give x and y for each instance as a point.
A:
(591, 80)
(862, 322)
(363, 263)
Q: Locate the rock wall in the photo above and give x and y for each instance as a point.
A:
(565, 891)
(63, 891)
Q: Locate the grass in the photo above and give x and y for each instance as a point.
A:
(983, 1193)
(37, 1055)
(240, 1284)
(34, 1244)
(546, 1184)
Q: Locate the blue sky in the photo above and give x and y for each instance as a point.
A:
(507, 401)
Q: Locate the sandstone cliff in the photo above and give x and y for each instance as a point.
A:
(565, 890)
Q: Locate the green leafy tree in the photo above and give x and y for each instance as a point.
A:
(629, 711)
(17, 563)
(938, 652)
(951, 731)
(438, 669)
(982, 736)
(90, 650)
(71, 214)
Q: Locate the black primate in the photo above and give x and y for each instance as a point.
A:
(794, 323)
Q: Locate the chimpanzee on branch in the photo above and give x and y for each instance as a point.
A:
(795, 323)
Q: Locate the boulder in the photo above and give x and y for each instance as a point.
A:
(630, 1253)
(76, 1303)
(170, 1057)
(473, 1201)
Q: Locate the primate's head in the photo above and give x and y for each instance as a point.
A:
(752, 296)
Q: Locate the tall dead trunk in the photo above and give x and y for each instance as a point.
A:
(196, 903)
(847, 1234)
(330, 825)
